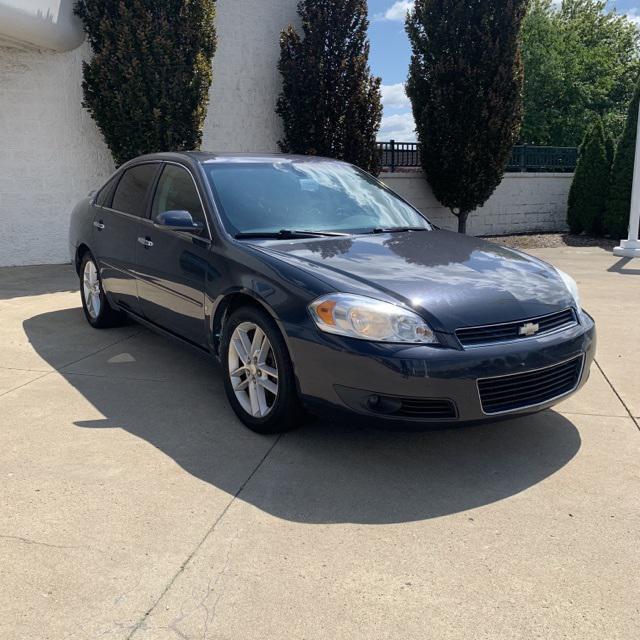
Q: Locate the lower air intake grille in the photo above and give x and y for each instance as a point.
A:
(426, 409)
(522, 390)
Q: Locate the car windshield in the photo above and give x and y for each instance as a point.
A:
(305, 196)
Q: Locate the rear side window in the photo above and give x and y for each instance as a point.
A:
(131, 193)
(106, 193)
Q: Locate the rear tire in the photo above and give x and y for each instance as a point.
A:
(258, 374)
(96, 307)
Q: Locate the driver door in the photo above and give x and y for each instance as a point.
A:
(172, 264)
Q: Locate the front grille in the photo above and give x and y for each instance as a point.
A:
(474, 336)
(521, 390)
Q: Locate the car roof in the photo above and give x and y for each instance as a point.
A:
(203, 157)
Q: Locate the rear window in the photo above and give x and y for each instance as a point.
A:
(133, 188)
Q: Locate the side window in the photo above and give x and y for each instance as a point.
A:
(131, 193)
(106, 193)
(176, 192)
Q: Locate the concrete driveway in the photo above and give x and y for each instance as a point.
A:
(134, 505)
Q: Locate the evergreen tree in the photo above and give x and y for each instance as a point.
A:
(619, 202)
(590, 186)
(610, 146)
(147, 84)
(330, 103)
(465, 85)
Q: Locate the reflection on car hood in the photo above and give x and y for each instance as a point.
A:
(454, 280)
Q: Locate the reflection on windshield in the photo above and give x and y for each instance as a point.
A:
(318, 195)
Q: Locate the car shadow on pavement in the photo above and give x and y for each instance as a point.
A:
(326, 472)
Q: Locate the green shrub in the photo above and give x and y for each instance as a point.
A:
(590, 186)
(619, 201)
(465, 84)
(147, 84)
(330, 104)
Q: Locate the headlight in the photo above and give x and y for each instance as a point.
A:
(369, 319)
(572, 286)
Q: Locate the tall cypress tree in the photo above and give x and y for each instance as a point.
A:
(147, 84)
(465, 85)
(619, 202)
(590, 186)
(330, 103)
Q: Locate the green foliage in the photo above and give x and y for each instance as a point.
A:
(590, 186)
(147, 84)
(330, 103)
(580, 61)
(619, 203)
(465, 86)
(610, 147)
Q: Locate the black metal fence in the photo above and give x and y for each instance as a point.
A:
(396, 156)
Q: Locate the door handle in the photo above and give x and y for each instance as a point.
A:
(145, 242)
(99, 225)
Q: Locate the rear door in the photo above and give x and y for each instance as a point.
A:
(116, 226)
(172, 264)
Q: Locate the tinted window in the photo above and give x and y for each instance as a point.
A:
(131, 194)
(104, 197)
(305, 195)
(176, 192)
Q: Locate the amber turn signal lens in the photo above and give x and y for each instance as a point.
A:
(325, 312)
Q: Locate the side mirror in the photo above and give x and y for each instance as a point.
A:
(178, 221)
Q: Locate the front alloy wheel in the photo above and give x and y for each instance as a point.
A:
(259, 379)
(253, 370)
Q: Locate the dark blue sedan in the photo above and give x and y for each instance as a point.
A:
(319, 288)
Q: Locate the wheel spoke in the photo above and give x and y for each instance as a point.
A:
(265, 383)
(246, 343)
(270, 371)
(238, 371)
(262, 400)
(239, 348)
(241, 386)
(255, 403)
(258, 341)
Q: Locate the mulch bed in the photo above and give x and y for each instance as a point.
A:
(551, 240)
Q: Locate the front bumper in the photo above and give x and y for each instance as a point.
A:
(342, 373)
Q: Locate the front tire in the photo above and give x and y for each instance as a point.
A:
(96, 307)
(258, 374)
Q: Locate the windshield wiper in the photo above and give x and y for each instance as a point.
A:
(397, 229)
(287, 234)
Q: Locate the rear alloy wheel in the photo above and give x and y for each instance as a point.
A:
(259, 380)
(97, 309)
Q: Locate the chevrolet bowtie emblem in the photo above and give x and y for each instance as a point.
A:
(529, 329)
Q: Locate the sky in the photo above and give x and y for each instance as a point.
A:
(390, 55)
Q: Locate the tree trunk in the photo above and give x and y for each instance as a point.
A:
(462, 221)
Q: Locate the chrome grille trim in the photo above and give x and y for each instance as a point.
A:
(499, 333)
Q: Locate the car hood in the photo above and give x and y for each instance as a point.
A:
(453, 280)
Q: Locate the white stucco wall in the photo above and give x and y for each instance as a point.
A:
(53, 154)
(246, 81)
(522, 203)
